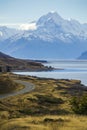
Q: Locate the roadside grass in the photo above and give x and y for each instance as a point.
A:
(7, 85)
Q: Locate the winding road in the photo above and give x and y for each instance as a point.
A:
(28, 87)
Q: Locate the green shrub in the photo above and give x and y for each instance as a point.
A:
(49, 99)
(79, 104)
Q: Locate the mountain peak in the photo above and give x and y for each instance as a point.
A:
(54, 16)
(52, 13)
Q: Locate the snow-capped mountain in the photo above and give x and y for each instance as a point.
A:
(52, 26)
(54, 37)
(67, 26)
(6, 32)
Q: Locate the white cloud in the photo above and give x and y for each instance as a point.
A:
(21, 26)
(30, 26)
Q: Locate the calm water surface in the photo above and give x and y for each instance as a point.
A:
(71, 70)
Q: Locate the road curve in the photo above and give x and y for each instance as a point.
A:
(28, 87)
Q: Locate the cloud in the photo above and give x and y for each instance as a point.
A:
(30, 26)
(21, 26)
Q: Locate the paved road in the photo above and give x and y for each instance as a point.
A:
(28, 87)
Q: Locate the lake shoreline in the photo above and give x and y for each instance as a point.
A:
(63, 70)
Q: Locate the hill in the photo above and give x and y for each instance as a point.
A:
(7, 85)
(83, 56)
(8, 63)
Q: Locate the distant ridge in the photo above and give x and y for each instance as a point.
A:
(83, 56)
(2, 55)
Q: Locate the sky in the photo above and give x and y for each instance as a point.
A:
(13, 12)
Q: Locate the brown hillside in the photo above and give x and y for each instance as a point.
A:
(19, 64)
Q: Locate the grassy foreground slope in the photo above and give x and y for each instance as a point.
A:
(7, 85)
(47, 107)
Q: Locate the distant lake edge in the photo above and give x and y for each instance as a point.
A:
(68, 69)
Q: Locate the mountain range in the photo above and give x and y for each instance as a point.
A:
(53, 38)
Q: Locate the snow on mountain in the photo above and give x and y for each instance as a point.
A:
(50, 17)
(52, 26)
(6, 32)
(54, 36)
(67, 26)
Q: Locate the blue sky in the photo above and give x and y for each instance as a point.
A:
(23, 11)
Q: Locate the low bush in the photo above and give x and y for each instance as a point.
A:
(79, 104)
(49, 99)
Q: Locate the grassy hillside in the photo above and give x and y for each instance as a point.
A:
(7, 85)
(47, 107)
